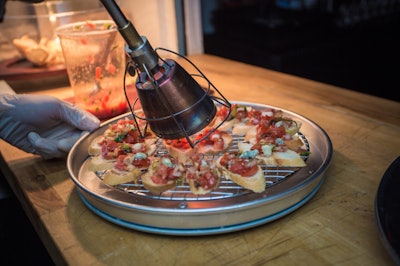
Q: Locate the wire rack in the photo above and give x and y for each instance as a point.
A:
(226, 188)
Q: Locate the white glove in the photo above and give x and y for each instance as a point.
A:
(42, 124)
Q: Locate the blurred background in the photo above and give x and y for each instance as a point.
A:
(348, 43)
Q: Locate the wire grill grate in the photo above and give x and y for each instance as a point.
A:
(226, 188)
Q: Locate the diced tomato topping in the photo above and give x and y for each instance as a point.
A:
(255, 114)
(181, 143)
(132, 137)
(222, 112)
(265, 130)
(90, 24)
(157, 179)
(104, 105)
(242, 166)
(141, 163)
(206, 179)
(111, 145)
(257, 146)
(161, 175)
(111, 69)
(218, 144)
(98, 73)
(213, 139)
(104, 101)
(119, 163)
(165, 173)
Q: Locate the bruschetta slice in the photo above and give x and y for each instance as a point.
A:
(217, 142)
(242, 170)
(202, 175)
(179, 149)
(127, 168)
(163, 174)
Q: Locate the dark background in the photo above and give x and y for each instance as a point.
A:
(350, 44)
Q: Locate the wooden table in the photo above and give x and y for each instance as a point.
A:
(337, 226)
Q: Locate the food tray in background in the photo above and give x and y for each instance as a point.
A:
(228, 208)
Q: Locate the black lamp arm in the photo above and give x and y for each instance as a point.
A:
(139, 48)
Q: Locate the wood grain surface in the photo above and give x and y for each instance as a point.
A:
(336, 227)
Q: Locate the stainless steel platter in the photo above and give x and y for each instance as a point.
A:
(229, 208)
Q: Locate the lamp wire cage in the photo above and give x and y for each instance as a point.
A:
(132, 69)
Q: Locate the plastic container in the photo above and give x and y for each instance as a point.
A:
(94, 54)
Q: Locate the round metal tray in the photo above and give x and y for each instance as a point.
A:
(228, 208)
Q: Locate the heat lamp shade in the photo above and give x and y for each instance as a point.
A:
(175, 105)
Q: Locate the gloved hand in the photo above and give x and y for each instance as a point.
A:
(42, 124)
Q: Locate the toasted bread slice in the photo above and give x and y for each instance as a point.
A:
(255, 183)
(181, 154)
(94, 147)
(202, 176)
(225, 126)
(38, 55)
(24, 43)
(294, 144)
(210, 149)
(197, 189)
(114, 177)
(154, 187)
(251, 135)
(288, 158)
(98, 163)
(242, 128)
(151, 145)
(157, 179)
